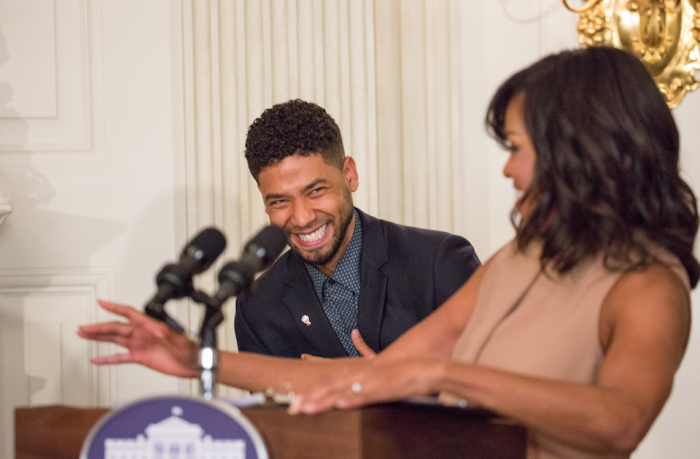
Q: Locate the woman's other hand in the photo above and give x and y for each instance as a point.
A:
(148, 342)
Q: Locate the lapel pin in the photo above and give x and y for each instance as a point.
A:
(305, 319)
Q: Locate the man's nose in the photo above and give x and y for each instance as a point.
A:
(302, 213)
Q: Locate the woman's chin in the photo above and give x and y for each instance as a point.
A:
(523, 209)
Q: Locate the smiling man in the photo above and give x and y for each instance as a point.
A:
(346, 270)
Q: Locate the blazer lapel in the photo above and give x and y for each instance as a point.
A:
(301, 300)
(372, 280)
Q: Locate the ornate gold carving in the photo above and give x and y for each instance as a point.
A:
(594, 27)
(664, 34)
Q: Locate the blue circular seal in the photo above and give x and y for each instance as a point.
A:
(174, 428)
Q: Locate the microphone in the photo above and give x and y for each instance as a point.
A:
(203, 250)
(174, 281)
(258, 254)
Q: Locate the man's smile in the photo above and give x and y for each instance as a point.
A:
(314, 238)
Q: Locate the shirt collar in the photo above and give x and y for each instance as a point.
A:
(347, 273)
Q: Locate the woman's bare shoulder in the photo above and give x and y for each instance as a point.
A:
(652, 300)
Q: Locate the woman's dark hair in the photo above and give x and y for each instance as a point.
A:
(291, 128)
(606, 174)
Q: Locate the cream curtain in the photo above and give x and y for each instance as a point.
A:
(381, 68)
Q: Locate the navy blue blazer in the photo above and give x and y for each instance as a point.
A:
(405, 274)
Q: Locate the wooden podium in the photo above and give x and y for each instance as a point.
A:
(395, 430)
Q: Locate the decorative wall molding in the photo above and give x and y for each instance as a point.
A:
(5, 210)
(42, 308)
(28, 83)
(72, 127)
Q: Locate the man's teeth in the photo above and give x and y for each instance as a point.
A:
(315, 236)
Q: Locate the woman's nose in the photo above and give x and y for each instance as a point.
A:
(506, 168)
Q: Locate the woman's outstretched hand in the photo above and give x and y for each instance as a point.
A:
(349, 383)
(147, 341)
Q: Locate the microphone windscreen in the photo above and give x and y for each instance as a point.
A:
(267, 245)
(203, 250)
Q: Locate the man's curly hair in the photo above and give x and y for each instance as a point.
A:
(291, 128)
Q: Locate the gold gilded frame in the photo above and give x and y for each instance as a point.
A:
(664, 34)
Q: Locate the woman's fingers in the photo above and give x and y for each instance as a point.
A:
(136, 318)
(106, 331)
(312, 358)
(119, 309)
(336, 384)
(112, 359)
(360, 382)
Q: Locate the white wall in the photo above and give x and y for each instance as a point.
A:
(675, 433)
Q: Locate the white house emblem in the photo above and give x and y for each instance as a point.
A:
(174, 438)
(176, 427)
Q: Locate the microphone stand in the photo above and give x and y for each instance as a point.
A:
(208, 351)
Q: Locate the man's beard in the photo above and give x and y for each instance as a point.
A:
(321, 258)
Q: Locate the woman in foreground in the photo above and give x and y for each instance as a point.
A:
(575, 328)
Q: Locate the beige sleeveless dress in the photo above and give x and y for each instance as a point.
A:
(542, 325)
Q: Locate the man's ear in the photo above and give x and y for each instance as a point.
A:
(350, 172)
